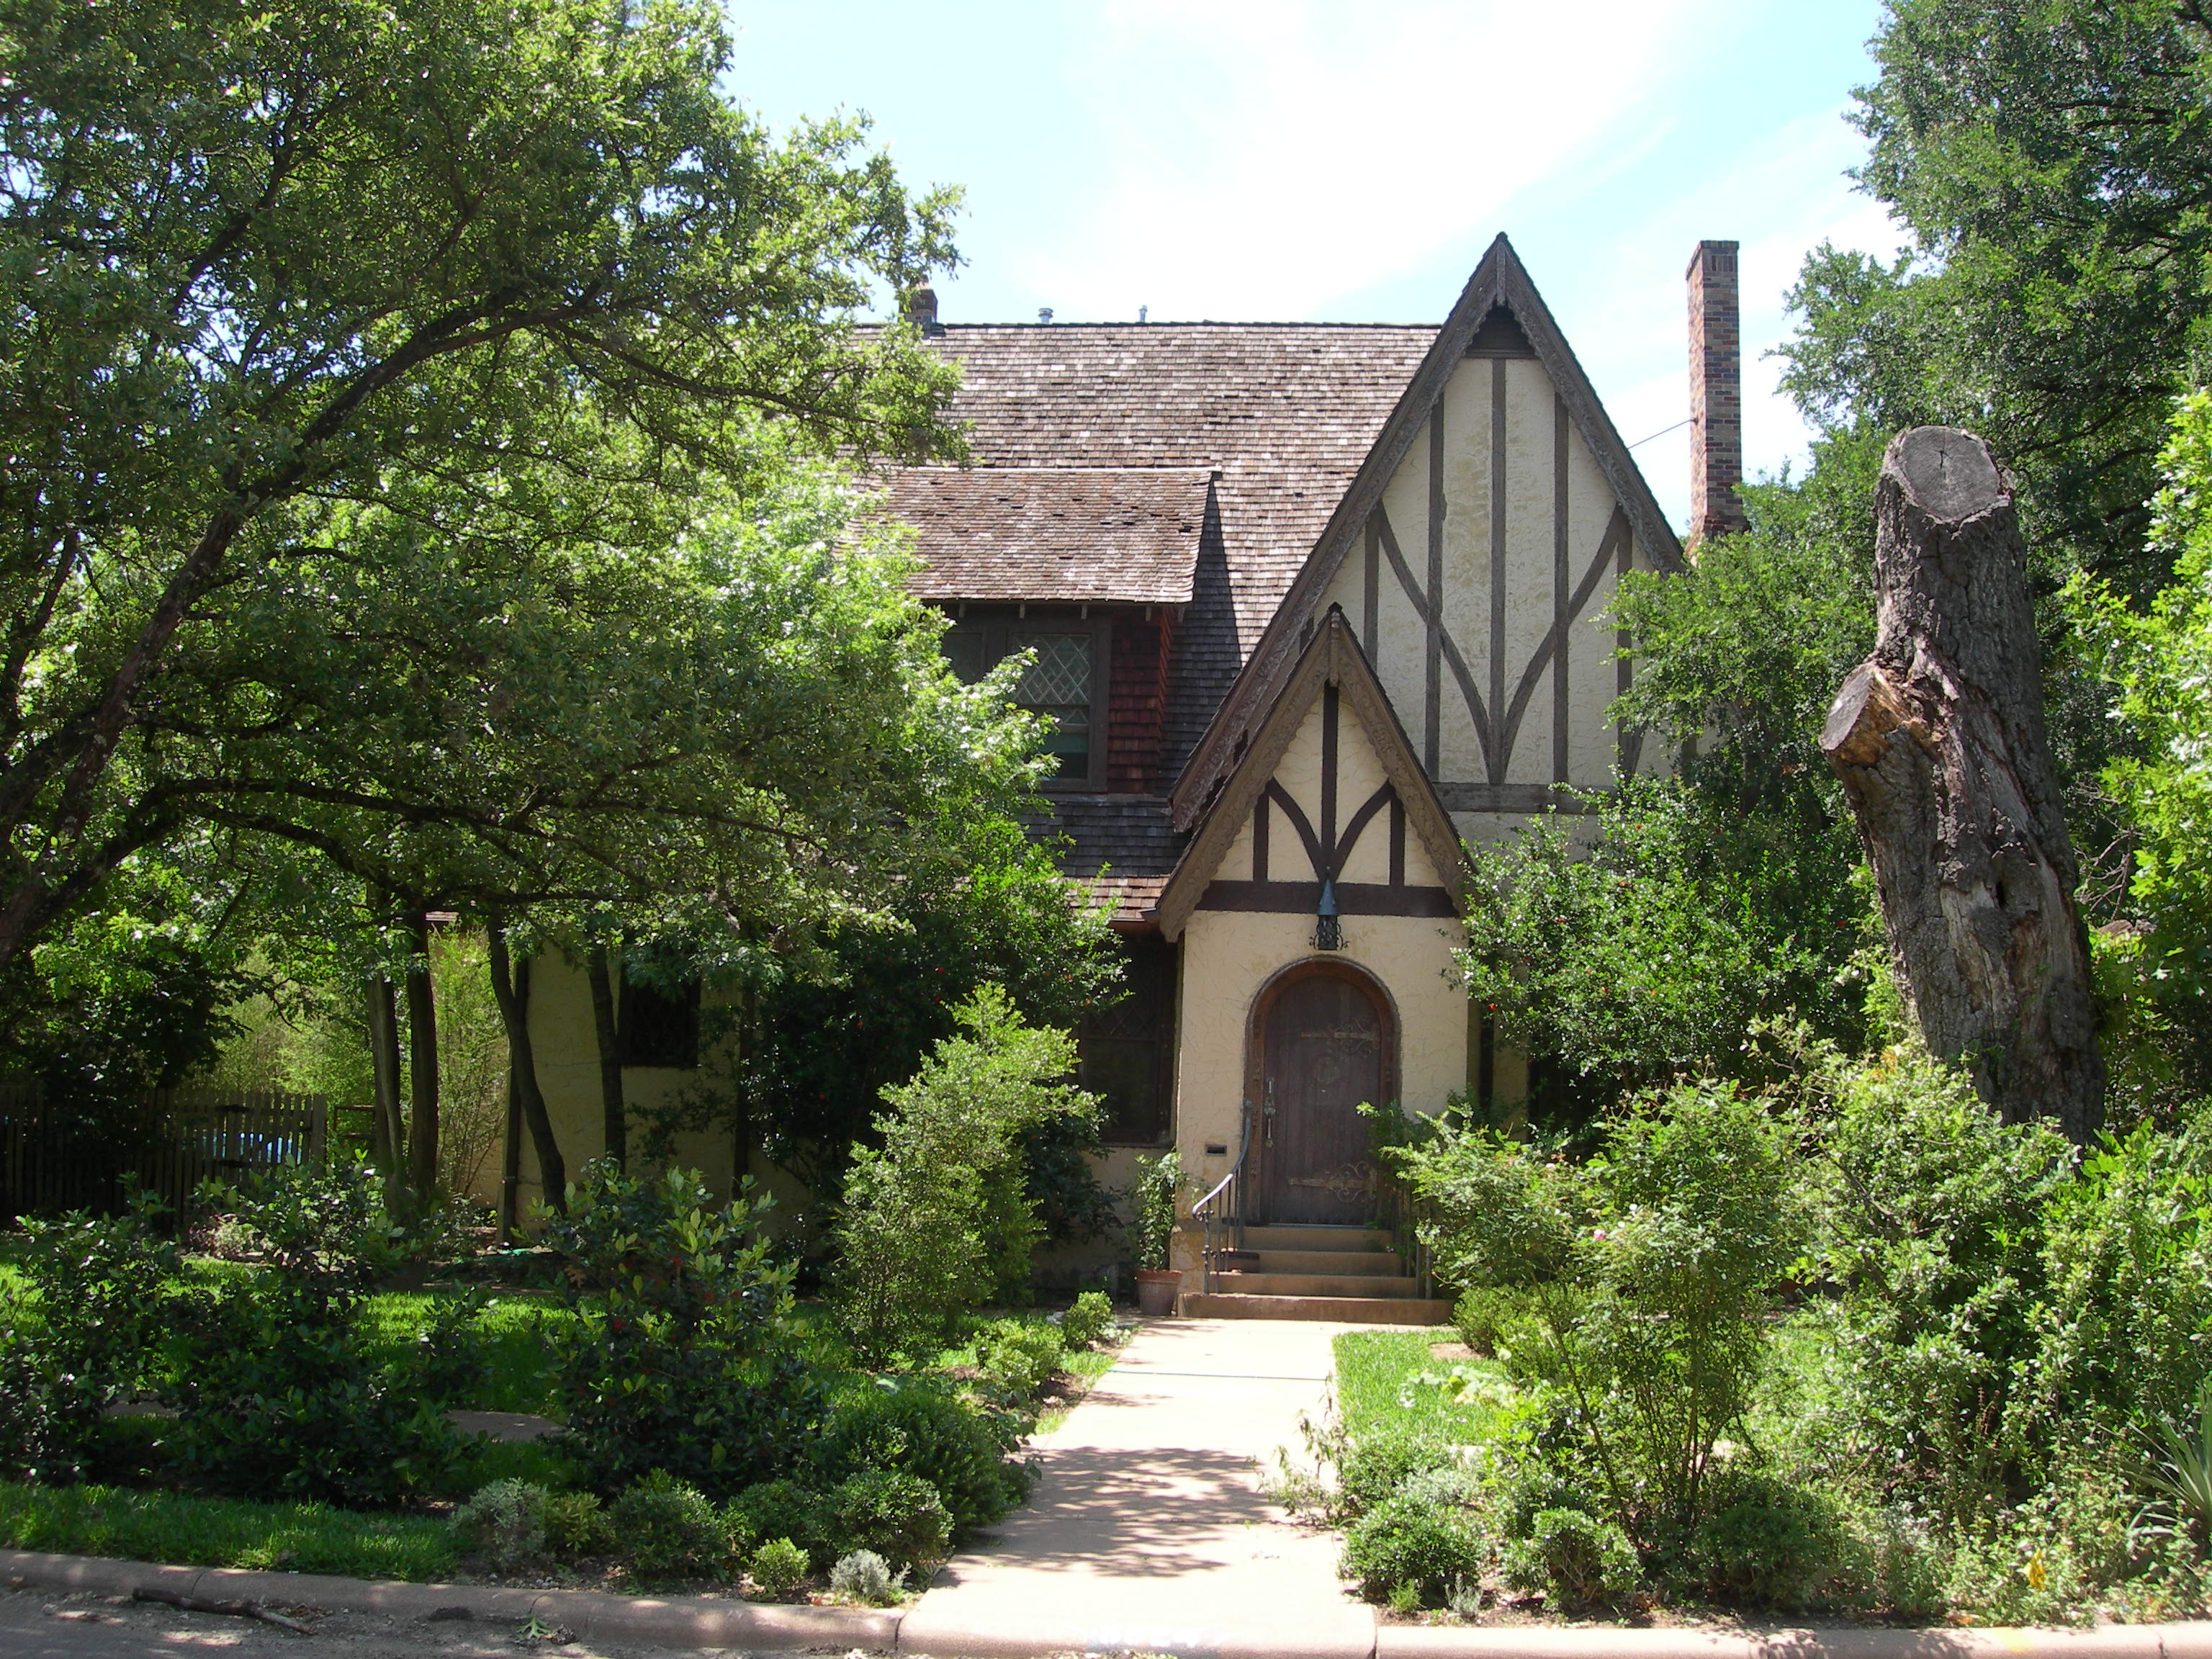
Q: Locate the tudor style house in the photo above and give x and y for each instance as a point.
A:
(1309, 604)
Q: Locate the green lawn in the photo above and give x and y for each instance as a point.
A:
(1392, 1379)
(216, 1532)
(519, 1332)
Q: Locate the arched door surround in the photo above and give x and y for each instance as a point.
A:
(1323, 1039)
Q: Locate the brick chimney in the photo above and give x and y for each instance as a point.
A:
(1715, 393)
(921, 309)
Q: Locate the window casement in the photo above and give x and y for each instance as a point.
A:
(1065, 680)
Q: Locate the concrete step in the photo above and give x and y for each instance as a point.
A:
(1316, 1238)
(1268, 1283)
(1345, 1310)
(1383, 1262)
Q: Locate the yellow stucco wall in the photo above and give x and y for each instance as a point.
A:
(1230, 957)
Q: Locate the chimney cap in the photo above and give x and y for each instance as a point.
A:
(920, 308)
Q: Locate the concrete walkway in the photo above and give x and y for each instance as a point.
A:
(1147, 1532)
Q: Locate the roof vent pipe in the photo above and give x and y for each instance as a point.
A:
(1715, 393)
(1044, 313)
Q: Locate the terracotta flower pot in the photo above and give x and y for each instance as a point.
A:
(1155, 1291)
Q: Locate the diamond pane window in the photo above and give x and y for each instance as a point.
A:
(1058, 683)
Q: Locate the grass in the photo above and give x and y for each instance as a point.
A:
(221, 1532)
(519, 1333)
(1392, 1380)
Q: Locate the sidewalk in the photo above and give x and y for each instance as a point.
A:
(1147, 1532)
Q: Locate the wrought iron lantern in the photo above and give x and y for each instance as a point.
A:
(1328, 934)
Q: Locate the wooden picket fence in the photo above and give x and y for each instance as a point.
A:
(176, 1138)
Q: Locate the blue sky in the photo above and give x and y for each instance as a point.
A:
(1298, 160)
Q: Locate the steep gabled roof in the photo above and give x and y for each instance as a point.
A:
(1069, 534)
(1333, 656)
(1500, 282)
(1284, 412)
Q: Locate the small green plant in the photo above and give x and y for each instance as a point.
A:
(1372, 1466)
(865, 1577)
(504, 1522)
(575, 1525)
(897, 1516)
(1152, 1193)
(923, 1427)
(2183, 1472)
(1412, 1548)
(668, 1530)
(1019, 1359)
(1088, 1321)
(778, 1567)
(784, 1509)
(1579, 1561)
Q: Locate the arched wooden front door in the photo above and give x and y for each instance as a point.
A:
(1326, 1046)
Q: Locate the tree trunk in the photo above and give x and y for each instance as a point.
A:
(388, 1131)
(510, 988)
(612, 1114)
(1938, 737)
(510, 1157)
(421, 1066)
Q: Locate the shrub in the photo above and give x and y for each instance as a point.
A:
(922, 1427)
(1771, 1544)
(1375, 1463)
(575, 1525)
(784, 1509)
(1577, 1561)
(277, 1391)
(1423, 1542)
(679, 1358)
(1935, 1231)
(778, 1567)
(666, 1528)
(866, 1577)
(1634, 1286)
(89, 1336)
(1019, 1359)
(1088, 1321)
(897, 1516)
(938, 1215)
(504, 1522)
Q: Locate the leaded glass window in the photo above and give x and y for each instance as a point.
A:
(1058, 684)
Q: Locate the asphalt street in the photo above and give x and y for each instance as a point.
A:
(35, 1625)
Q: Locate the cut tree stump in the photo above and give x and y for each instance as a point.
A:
(1938, 737)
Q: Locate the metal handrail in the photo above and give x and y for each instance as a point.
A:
(1221, 1212)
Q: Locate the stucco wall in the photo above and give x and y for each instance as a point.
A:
(1537, 471)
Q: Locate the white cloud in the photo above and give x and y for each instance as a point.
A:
(1261, 160)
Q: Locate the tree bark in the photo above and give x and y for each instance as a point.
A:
(1938, 737)
(614, 1118)
(422, 1065)
(388, 1131)
(510, 1154)
(510, 988)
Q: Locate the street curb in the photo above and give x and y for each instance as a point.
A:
(684, 1621)
(690, 1621)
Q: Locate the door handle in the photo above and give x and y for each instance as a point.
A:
(1267, 1116)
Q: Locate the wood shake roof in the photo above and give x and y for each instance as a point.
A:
(1080, 534)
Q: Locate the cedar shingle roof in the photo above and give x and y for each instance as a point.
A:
(1094, 534)
(1092, 446)
(1287, 411)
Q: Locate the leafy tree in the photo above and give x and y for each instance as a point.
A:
(261, 290)
(2049, 160)
(2159, 660)
(938, 1215)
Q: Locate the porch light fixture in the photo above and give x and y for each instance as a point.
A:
(1327, 935)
